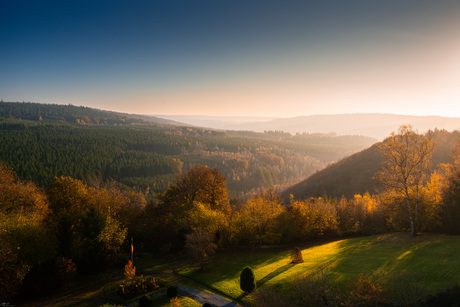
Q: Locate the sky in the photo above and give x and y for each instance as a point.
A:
(280, 58)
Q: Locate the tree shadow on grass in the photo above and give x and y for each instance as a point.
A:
(275, 273)
(269, 276)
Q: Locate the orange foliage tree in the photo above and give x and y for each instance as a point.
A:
(130, 270)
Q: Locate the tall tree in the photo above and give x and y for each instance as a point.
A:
(407, 157)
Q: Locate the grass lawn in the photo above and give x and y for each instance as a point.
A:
(430, 260)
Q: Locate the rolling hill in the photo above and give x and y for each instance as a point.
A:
(373, 125)
(354, 174)
(73, 114)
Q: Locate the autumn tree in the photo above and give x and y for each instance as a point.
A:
(313, 218)
(26, 243)
(197, 199)
(261, 212)
(407, 157)
(199, 184)
(111, 237)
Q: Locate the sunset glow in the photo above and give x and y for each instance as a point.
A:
(262, 58)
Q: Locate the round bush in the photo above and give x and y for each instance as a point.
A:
(171, 292)
(247, 280)
(296, 255)
(145, 301)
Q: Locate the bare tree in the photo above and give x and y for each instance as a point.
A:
(407, 157)
(200, 245)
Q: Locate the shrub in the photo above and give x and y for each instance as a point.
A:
(145, 301)
(130, 270)
(365, 291)
(171, 292)
(135, 286)
(206, 305)
(247, 280)
(296, 255)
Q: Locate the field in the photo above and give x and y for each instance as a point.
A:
(427, 263)
(430, 262)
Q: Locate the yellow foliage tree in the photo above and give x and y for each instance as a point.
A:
(261, 212)
(407, 157)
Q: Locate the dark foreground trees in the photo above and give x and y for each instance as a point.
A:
(25, 240)
(88, 228)
(450, 195)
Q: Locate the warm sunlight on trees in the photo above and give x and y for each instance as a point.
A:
(261, 212)
(313, 218)
(406, 161)
(200, 184)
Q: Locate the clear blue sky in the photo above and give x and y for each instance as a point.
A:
(231, 57)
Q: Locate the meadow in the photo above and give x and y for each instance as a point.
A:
(422, 265)
(427, 262)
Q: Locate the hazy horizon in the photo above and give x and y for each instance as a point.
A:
(234, 58)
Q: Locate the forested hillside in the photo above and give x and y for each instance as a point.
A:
(40, 143)
(71, 114)
(354, 174)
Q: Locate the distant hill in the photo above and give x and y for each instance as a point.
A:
(219, 122)
(73, 114)
(354, 174)
(373, 125)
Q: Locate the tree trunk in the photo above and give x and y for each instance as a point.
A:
(412, 223)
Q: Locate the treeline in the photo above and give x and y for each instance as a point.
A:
(64, 113)
(149, 156)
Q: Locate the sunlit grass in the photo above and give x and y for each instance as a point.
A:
(430, 260)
